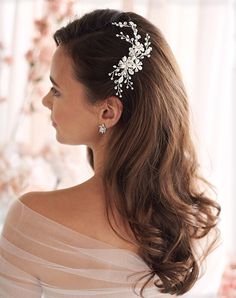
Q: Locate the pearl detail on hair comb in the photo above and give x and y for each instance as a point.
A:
(127, 66)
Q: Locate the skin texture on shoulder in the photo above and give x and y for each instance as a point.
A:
(63, 205)
(73, 199)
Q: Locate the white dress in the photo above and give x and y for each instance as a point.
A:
(42, 258)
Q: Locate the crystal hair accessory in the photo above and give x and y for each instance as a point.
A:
(128, 65)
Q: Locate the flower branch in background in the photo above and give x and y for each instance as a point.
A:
(5, 60)
(20, 160)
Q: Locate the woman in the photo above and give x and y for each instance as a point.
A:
(139, 221)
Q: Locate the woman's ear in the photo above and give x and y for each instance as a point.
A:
(110, 111)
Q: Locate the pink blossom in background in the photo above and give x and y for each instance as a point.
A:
(34, 76)
(69, 9)
(29, 56)
(228, 284)
(55, 5)
(14, 172)
(43, 26)
(36, 40)
(61, 8)
(8, 60)
(46, 53)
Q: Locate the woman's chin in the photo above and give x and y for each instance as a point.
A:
(59, 138)
(62, 140)
(67, 141)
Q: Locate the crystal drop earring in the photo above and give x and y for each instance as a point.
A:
(102, 128)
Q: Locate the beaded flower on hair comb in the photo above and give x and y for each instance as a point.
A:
(128, 65)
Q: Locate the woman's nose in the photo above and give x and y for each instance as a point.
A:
(46, 101)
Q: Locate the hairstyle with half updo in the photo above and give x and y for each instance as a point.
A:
(151, 170)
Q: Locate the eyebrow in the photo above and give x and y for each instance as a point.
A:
(52, 80)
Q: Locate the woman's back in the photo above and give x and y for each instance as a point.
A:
(48, 255)
(82, 209)
(55, 259)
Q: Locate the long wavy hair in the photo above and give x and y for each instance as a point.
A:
(151, 167)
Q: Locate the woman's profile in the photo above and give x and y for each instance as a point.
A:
(136, 226)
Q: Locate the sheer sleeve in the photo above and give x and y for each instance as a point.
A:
(42, 258)
(16, 274)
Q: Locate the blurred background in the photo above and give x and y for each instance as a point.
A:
(202, 35)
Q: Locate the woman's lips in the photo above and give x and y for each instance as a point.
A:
(53, 123)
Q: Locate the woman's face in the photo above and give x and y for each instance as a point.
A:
(76, 122)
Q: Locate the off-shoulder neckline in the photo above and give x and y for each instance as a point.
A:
(74, 231)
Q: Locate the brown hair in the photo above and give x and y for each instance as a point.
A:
(151, 167)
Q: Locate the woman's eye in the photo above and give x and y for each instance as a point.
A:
(54, 92)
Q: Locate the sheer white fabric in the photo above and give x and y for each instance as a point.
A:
(42, 258)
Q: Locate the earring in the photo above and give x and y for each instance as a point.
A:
(102, 128)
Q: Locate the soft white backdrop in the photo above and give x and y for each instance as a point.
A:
(202, 37)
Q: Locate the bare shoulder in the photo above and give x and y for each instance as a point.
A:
(84, 199)
(78, 197)
(36, 200)
(30, 198)
(50, 203)
(68, 207)
(73, 207)
(79, 209)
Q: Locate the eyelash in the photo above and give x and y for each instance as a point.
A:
(54, 91)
